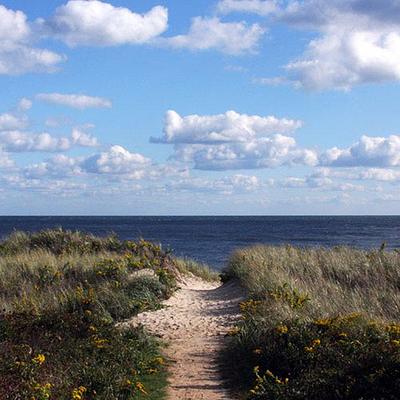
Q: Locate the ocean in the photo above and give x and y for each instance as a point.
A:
(213, 239)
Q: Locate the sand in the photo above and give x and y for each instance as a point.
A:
(194, 324)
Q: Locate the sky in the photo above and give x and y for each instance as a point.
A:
(213, 107)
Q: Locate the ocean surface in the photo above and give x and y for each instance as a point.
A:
(213, 239)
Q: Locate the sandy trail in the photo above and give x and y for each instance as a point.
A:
(194, 323)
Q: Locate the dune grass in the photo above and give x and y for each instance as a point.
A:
(317, 324)
(61, 295)
(203, 271)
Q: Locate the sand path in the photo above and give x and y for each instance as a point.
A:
(194, 323)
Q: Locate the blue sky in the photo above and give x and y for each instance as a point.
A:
(212, 107)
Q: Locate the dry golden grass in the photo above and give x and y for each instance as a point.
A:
(338, 281)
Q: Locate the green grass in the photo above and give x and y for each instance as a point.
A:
(61, 295)
(317, 324)
(188, 266)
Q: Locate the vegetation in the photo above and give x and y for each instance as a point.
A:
(188, 266)
(317, 324)
(61, 295)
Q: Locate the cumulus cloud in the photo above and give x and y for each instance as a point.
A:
(116, 160)
(96, 23)
(17, 55)
(17, 141)
(344, 58)
(368, 151)
(222, 128)
(59, 166)
(20, 141)
(83, 139)
(234, 141)
(270, 152)
(212, 34)
(260, 7)
(78, 101)
(358, 41)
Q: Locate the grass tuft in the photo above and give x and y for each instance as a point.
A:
(203, 271)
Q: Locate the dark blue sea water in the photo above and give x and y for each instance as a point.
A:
(212, 239)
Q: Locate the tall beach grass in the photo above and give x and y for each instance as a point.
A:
(318, 324)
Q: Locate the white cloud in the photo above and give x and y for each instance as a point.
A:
(222, 128)
(368, 151)
(5, 161)
(96, 23)
(344, 58)
(212, 34)
(78, 101)
(10, 121)
(276, 81)
(234, 141)
(83, 139)
(17, 56)
(17, 141)
(260, 7)
(24, 104)
(14, 26)
(17, 60)
(319, 183)
(227, 185)
(380, 174)
(59, 166)
(360, 173)
(20, 141)
(52, 187)
(359, 43)
(116, 160)
(269, 152)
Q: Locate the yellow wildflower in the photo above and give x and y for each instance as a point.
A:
(316, 342)
(393, 328)
(39, 359)
(282, 329)
(323, 322)
(159, 360)
(78, 393)
(141, 388)
(100, 343)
